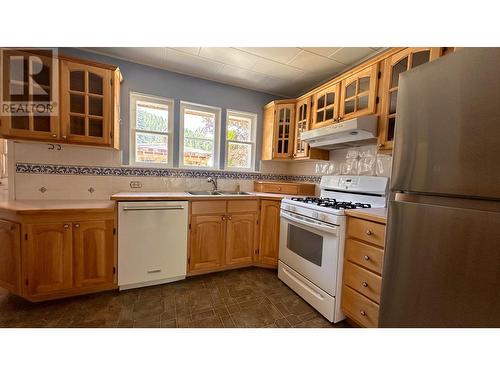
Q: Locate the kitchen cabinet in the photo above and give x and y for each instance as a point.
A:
(325, 106)
(54, 254)
(292, 188)
(362, 275)
(223, 234)
(359, 93)
(396, 64)
(278, 130)
(10, 255)
(34, 83)
(86, 107)
(269, 232)
(301, 149)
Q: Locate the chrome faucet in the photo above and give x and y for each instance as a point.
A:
(213, 180)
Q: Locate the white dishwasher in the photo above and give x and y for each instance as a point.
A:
(152, 242)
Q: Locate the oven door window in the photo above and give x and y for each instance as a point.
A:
(305, 244)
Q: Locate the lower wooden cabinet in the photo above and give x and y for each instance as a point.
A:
(270, 232)
(362, 277)
(10, 256)
(227, 234)
(56, 255)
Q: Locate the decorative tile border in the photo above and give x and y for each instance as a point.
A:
(33, 168)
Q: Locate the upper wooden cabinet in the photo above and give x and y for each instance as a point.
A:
(21, 66)
(325, 106)
(86, 111)
(278, 130)
(359, 93)
(301, 149)
(396, 64)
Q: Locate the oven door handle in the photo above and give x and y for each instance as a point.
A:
(309, 222)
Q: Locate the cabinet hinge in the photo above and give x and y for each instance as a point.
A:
(114, 270)
(257, 222)
(26, 281)
(377, 100)
(26, 236)
(379, 75)
(111, 135)
(189, 226)
(111, 81)
(257, 251)
(114, 231)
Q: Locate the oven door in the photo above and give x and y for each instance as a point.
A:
(311, 248)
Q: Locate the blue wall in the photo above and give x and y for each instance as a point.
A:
(153, 81)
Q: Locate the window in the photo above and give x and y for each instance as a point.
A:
(151, 130)
(199, 143)
(240, 140)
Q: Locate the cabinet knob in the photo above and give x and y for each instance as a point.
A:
(369, 232)
(362, 312)
(66, 226)
(223, 218)
(366, 257)
(380, 145)
(77, 225)
(365, 284)
(64, 137)
(229, 217)
(54, 135)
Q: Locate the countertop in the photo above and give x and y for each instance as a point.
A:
(36, 206)
(159, 196)
(375, 214)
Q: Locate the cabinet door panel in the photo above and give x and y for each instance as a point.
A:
(325, 107)
(207, 242)
(94, 253)
(284, 132)
(359, 93)
(269, 233)
(48, 261)
(240, 243)
(10, 256)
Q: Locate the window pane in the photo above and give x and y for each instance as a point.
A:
(199, 124)
(151, 116)
(198, 152)
(239, 155)
(239, 129)
(151, 148)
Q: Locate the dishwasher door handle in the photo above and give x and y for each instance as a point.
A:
(153, 208)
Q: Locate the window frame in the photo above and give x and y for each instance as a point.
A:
(253, 133)
(217, 133)
(136, 97)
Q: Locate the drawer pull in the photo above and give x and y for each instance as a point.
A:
(154, 271)
(369, 232)
(365, 284)
(66, 226)
(362, 312)
(366, 257)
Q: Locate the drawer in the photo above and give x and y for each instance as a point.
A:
(208, 207)
(365, 230)
(359, 308)
(365, 255)
(239, 205)
(364, 281)
(281, 188)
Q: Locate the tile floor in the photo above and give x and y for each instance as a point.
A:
(250, 297)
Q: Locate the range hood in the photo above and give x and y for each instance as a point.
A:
(356, 132)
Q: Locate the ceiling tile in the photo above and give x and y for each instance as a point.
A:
(189, 64)
(351, 55)
(311, 62)
(275, 69)
(231, 56)
(322, 51)
(243, 75)
(145, 55)
(281, 54)
(191, 50)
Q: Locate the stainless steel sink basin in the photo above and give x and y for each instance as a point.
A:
(204, 192)
(234, 193)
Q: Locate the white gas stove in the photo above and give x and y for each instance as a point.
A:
(312, 237)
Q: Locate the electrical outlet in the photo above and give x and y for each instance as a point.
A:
(135, 184)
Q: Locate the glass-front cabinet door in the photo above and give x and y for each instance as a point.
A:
(359, 93)
(284, 131)
(29, 91)
(86, 100)
(398, 63)
(302, 116)
(325, 106)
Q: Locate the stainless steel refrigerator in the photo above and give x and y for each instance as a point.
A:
(442, 257)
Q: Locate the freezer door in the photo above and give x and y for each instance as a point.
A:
(441, 267)
(448, 126)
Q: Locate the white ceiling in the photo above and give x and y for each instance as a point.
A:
(286, 71)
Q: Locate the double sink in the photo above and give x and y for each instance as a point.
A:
(206, 192)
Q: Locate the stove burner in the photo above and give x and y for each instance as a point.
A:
(331, 203)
